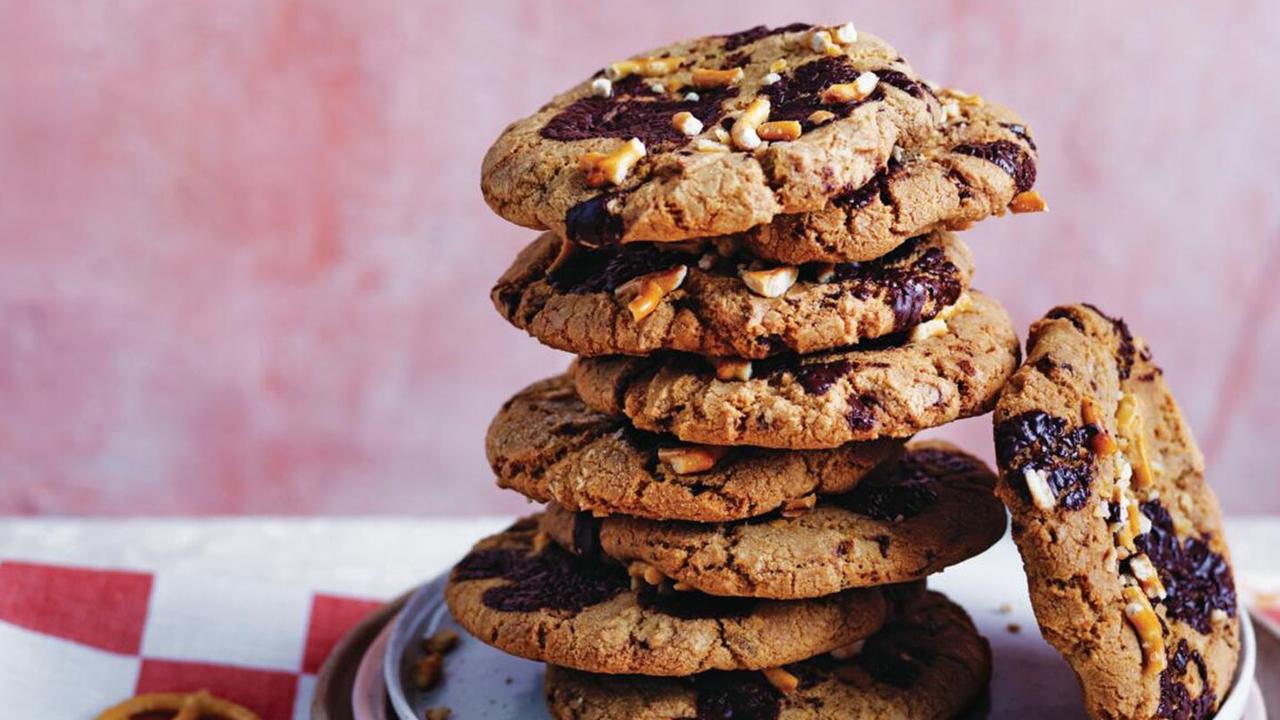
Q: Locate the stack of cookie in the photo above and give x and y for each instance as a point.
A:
(749, 248)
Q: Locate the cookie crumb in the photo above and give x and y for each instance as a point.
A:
(438, 713)
(1013, 628)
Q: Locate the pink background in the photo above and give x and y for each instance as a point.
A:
(246, 260)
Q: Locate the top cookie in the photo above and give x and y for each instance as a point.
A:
(710, 136)
(1121, 538)
(980, 162)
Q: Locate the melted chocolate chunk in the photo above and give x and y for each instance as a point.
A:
(592, 223)
(692, 605)
(1125, 352)
(593, 270)
(1175, 700)
(550, 580)
(1036, 440)
(733, 41)
(858, 198)
(903, 493)
(1021, 131)
(1198, 580)
(883, 541)
(586, 535)
(736, 695)
(908, 289)
(861, 417)
(797, 95)
(904, 83)
(817, 378)
(635, 111)
(900, 652)
(1006, 155)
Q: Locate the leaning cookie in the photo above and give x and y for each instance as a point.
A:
(933, 509)
(639, 298)
(929, 665)
(522, 594)
(893, 388)
(981, 162)
(548, 446)
(710, 136)
(1121, 537)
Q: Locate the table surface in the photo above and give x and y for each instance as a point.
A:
(254, 604)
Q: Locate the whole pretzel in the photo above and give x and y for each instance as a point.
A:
(185, 706)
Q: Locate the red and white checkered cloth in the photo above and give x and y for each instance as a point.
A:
(92, 612)
(79, 632)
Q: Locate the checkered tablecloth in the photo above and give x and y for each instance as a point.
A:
(92, 612)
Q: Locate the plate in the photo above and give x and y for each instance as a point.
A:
(1030, 679)
(331, 699)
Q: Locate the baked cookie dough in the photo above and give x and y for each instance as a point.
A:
(981, 162)
(710, 136)
(548, 446)
(1121, 537)
(643, 297)
(892, 388)
(933, 509)
(929, 665)
(525, 596)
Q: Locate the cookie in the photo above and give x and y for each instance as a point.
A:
(527, 597)
(548, 446)
(892, 388)
(932, 510)
(929, 665)
(1121, 538)
(598, 302)
(709, 136)
(976, 165)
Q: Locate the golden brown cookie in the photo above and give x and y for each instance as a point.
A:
(525, 596)
(929, 665)
(893, 388)
(1121, 537)
(642, 297)
(933, 509)
(980, 162)
(548, 446)
(710, 136)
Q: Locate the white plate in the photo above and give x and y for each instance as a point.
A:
(1030, 678)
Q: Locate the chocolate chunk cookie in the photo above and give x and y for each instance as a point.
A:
(547, 445)
(1121, 537)
(981, 162)
(933, 509)
(638, 298)
(929, 665)
(710, 136)
(892, 388)
(524, 595)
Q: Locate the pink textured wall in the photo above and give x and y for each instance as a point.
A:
(246, 260)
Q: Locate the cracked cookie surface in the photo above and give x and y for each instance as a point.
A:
(816, 401)
(971, 169)
(529, 598)
(548, 446)
(929, 665)
(580, 302)
(933, 509)
(683, 188)
(1120, 535)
